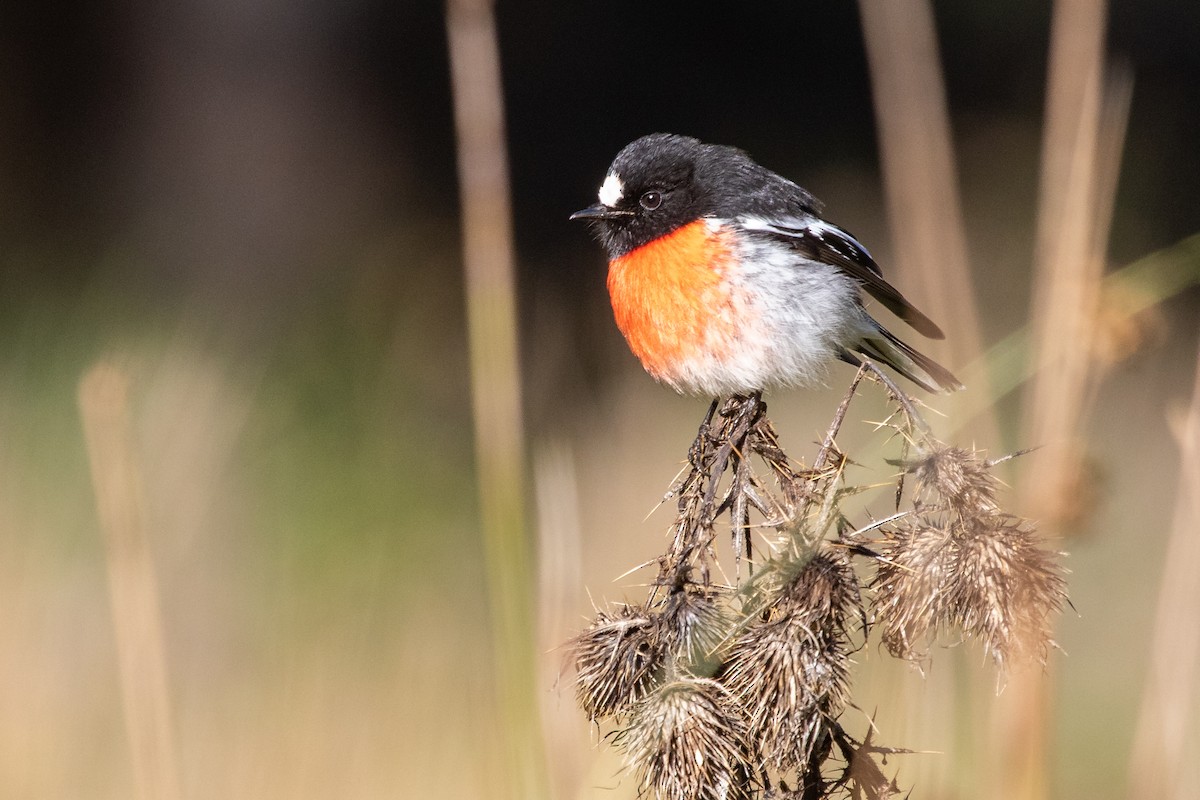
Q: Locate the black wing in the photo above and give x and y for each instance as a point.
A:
(823, 241)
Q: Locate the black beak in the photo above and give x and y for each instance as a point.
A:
(601, 211)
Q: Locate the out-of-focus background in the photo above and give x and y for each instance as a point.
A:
(249, 212)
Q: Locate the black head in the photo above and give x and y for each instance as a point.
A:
(664, 181)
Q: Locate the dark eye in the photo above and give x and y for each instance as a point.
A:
(651, 200)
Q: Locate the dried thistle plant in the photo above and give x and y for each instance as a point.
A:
(735, 689)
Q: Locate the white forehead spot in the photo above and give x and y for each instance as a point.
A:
(612, 191)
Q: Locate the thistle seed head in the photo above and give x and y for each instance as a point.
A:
(1007, 588)
(687, 741)
(986, 575)
(955, 478)
(790, 668)
(791, 684)
(912, 579)
(819, 585)
(697, 625)
(617, 660)
(825, 592)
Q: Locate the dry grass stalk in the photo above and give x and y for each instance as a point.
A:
(495, 381)
(1085, 123)
(1160, 740)
(1086, 115)
(132, 587)
(921, 177)
(735, 691)
(559, 562)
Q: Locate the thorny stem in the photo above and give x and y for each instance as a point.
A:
(731, 433)
(838, 418)
(742, 543)
(737, 498)
(899, 396)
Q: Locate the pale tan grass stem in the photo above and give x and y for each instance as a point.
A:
(925, 211)
(1084, 122)
(132, 587)
(921, 182)
(495, 385)
(560, 574)
(1160, 754)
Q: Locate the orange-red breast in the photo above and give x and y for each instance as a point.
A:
(724, 278)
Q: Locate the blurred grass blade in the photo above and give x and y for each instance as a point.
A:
(495, 384)
(1154, 278)
(1084, 122)
(1068, 265)
(1131, 290)
(133, 591)
(560, 558)
(925, 212)
(1160, 753)
(921, 180)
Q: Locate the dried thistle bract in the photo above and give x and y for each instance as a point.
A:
(739, 691)
(688, 742)
(959, 563)
(617, 660)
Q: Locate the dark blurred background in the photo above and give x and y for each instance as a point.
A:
(254, 206)
(236, 155)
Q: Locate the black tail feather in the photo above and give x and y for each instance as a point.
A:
(917, 367)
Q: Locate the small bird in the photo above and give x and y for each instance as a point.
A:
(724, 278)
